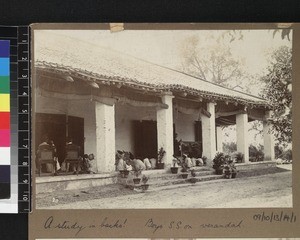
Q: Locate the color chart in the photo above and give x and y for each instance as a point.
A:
(15, 178)
(5, 119)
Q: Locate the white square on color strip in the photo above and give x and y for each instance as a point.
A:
(4, 155)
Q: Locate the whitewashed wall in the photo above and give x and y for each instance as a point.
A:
(125, 114)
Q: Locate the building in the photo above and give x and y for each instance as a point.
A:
(109, 101)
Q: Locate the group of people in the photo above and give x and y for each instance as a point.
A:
(87, 162)
(126, 161)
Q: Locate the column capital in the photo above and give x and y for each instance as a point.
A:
(166, 93)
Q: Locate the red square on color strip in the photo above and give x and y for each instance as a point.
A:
(4, 120)
(4, 138)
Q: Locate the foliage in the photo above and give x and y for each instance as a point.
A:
(278, 92)
(161, 154)
(193, 173)
(184, 168)
(229, 168)
(137, 172)
(219, 160)
(256, 153)
(239, 157)
(204, 159)
(229, 147)
(145, 179)
(213, 63)
(282, 153)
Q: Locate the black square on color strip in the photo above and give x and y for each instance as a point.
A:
(4, 190)
(4, 181)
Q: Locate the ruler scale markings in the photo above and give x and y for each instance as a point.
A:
(24, 119)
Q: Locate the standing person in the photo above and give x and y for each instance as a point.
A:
(121, 163)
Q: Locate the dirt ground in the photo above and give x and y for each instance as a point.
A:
(269, 190)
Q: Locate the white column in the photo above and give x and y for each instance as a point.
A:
(209, 133)
(242, 135)
(219, 139)
(165, 129)
(269, 150)
(105, 137)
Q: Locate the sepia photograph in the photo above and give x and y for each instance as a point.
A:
(162, 119)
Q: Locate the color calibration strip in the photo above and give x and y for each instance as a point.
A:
(24, 129)
(5, 150)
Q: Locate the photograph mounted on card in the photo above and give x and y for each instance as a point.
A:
(145, 115)
(177, 121)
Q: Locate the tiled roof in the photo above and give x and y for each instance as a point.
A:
(63, 53)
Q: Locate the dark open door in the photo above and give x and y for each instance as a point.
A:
(145, 139)
(198, 134)
(76, 131)
(57, 127)
(53, 125)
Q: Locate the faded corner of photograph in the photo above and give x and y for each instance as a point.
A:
(183, 118)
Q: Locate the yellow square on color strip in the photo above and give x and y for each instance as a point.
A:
(4, 103)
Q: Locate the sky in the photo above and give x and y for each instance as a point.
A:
(163, 46)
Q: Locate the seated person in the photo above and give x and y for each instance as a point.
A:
(92, 166)
(137, 164)
(187, 161)
(147, 163)
(46, 145)
(70, 146)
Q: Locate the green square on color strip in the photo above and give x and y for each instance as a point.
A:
(4, 84)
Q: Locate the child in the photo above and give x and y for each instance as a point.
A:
(92, 168)
(121, 163)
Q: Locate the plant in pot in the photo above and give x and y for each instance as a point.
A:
(227, 171)
(193, 179)
(161, 154)
(137, 174)
(184, 171)
(174, 168)
(145, 186)
(230, 170)
(218, 163)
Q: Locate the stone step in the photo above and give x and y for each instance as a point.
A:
(158, 183)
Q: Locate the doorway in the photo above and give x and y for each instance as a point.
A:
(145, 139)
(58, 127)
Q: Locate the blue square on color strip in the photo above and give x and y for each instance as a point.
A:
(4, 48)
(4, 66)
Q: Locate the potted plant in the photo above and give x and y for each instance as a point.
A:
(184, 172)
(161, 154)
(227, 171)
(137, 174)
(124, 173)
(193, 179)
(218, 163)
(204, 159)
(174, 168)
(230, 170)
(145, 186)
